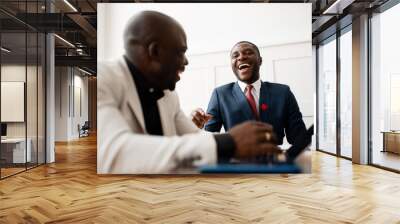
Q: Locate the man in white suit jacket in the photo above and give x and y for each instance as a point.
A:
(138, 133)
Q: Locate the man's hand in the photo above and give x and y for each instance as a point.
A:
(199, 117)
(254, 139)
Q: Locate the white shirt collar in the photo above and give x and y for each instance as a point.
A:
(256, 85)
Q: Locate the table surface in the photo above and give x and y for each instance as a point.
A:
(303, 161)
(13, 140)
(391, 132)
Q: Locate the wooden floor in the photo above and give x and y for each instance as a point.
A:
(70, 191)
(387, 159)
(10, 171)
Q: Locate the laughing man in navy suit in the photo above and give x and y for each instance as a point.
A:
(251, 99)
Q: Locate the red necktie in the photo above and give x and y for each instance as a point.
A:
(251, 101)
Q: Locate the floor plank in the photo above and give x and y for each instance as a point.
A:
(70, 191)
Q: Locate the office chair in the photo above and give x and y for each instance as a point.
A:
(84, 130)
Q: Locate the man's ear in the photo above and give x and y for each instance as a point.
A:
(153, 50)
(260, 60)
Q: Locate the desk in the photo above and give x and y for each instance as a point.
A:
(303, 161)
(13, 150)
(391, 141)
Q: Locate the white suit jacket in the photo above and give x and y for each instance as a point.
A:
(123, 145)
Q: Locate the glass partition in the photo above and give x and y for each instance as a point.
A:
(14, 153)
(327, 96)
(22, 67)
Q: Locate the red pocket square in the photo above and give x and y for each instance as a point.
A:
(264, 106)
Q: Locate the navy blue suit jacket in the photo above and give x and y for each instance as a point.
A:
(229, 107)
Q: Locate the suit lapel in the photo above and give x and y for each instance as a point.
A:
(242, 102)
(133, 98)
(165, 115)
(264, 103)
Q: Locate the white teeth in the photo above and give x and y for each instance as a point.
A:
(244, 66)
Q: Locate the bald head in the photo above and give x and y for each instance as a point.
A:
(247, 42)
(148, 26)
(154, 43)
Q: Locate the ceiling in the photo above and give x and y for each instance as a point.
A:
(76, 22)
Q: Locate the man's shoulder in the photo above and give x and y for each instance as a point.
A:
(109, 64)
(276, 87)
(113, 71)
(225, 88)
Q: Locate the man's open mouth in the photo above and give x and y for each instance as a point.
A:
(178, 75)
(243, 67)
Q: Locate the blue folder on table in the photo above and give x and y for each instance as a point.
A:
(251, 168)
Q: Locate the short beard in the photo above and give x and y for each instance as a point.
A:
(255, 75)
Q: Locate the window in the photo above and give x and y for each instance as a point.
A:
(327, 96)
(346, 94)
(385, 88)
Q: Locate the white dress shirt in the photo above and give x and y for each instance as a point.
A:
(255, 91)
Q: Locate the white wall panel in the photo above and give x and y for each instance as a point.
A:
(297, 73)
(12, 101)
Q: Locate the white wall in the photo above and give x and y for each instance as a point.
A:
(12, 100)
(71, 95)
(61, 103)
(33, 125)
(210, 28)
(80, 110)
(12, 73)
